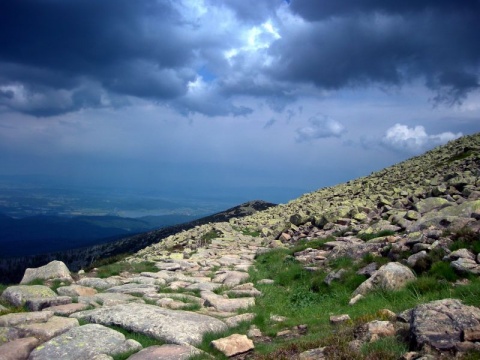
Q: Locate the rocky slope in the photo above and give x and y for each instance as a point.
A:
(406, 217)
(11, 269)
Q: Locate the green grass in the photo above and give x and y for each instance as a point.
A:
(465, 238)
(303, 298)
(144, 340)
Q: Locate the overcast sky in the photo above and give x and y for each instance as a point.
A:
(262, 98)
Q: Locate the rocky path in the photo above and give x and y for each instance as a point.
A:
(178, 304)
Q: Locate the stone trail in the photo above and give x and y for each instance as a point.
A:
(211, 285)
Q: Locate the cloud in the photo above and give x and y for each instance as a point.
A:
(320, 127)
(274, 51)
(353, 44)
(269, 123)
(414, 140)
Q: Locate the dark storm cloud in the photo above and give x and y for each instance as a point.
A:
(358, 43)
(127, 47)
(322, 9)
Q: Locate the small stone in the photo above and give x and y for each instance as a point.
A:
(355, 299)
(277, 318)
(314, 354)
(233, 345)
(76, 290)
(266, 282)
(338, 319)
(284, 333)
(254, 332)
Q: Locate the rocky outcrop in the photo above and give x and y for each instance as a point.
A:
(55, 270)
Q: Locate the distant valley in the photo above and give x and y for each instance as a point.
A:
(46, 233)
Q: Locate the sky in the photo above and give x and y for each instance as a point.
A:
(258, 99)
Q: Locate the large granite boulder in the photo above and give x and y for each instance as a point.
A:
(55, 270)
(83, 343)
(391, 276)
(173, 326)
(441, 324)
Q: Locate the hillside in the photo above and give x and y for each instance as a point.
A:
(381, 267)
(82, 241)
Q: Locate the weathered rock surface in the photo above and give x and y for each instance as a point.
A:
(222, 304)
(391, 276)
(55, 270)
(18, 349)
(19, 294)
(83, 343)
(233, 345)
(440, 324)
(172, 326)
(166, 352)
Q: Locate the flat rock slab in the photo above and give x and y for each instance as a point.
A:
(19, 294)
(166, 352)
(18, 349)
(55, 326)
(109, 299)
(76, 290)
(83, 343)
(173, 326)
(15, 319)
(134, 289)
(100, 284)
(65, 310)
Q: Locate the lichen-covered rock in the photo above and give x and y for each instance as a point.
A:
(391, 276)
(173, 326)
(83, 343)
(432, 203)
(440, 324)
(18, 295)
(222, 304)
(55, 270)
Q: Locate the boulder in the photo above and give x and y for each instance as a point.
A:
(233, 345)
(55, 270)
(464, 265)
(83, 343)
(173, 326)
(391, 276)
(374, 330)
(19, 294)
(432, 203)
(440, 324)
